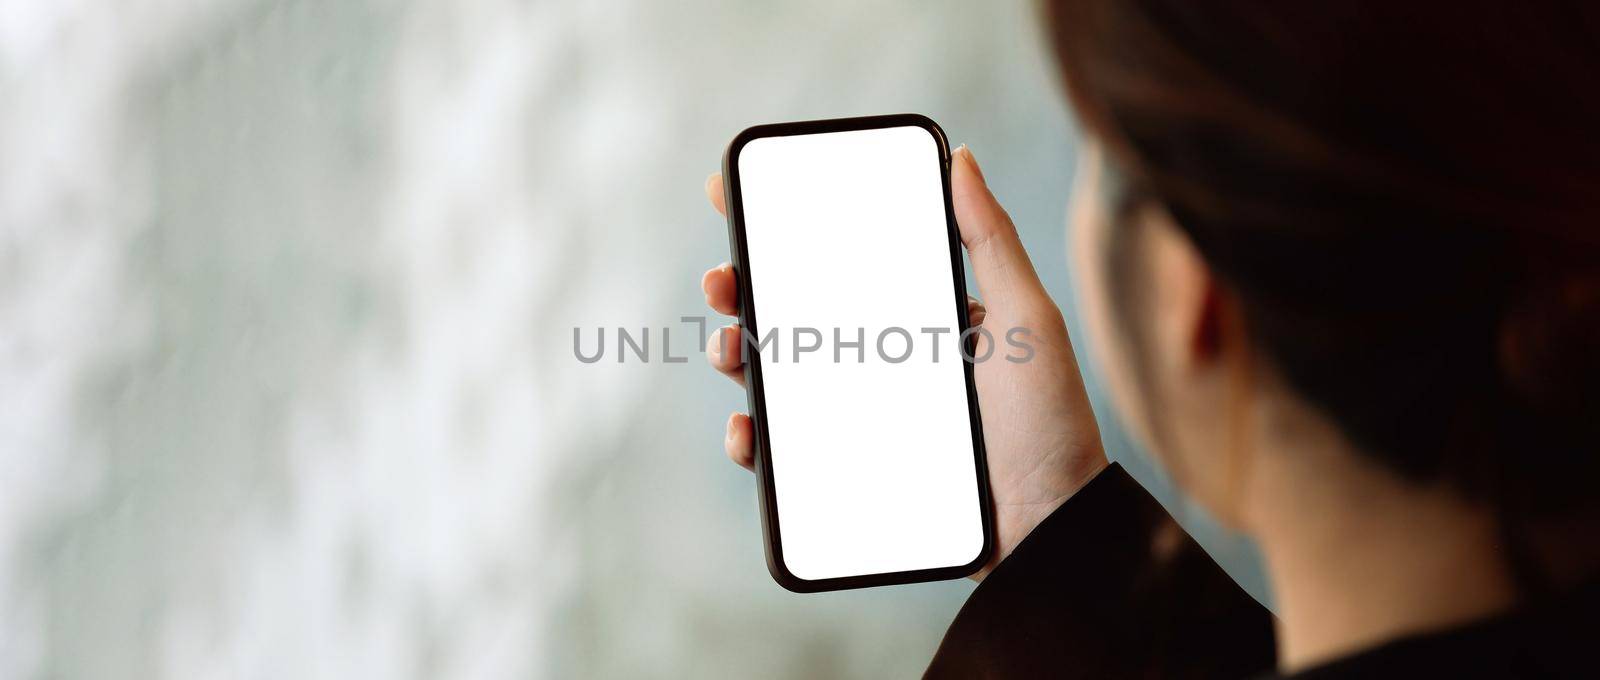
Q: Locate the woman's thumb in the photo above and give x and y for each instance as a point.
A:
(1005, 275)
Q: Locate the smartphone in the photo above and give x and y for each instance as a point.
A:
(868, 444)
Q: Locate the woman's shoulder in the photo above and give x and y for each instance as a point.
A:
(1553, 637)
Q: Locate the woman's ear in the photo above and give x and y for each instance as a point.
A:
(1201, 361)
(1208, 336)
(1191, 307)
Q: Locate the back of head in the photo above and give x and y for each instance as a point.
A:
(1405, 197)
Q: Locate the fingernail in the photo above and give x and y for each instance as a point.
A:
(731, 420)
(973, 161)
(714, 346)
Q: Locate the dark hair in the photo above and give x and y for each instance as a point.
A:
(1403, 195)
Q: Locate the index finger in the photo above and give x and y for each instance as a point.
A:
(714, 193)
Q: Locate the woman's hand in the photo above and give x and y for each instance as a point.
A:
(1039, 431)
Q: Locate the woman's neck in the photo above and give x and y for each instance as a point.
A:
(1358, 557)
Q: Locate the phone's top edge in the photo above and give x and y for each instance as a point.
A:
(827, 125)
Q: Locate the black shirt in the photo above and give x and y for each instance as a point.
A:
(1109, 586)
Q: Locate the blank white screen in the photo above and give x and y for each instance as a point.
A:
(872, 462)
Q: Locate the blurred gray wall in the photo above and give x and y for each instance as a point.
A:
(287, 292)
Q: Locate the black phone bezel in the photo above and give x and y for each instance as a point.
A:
(755, 391)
